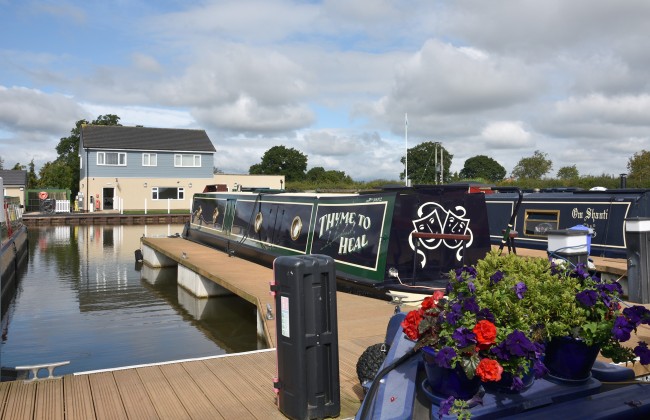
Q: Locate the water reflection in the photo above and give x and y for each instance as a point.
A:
(81, 298)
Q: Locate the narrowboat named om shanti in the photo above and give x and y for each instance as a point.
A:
(398, 239)
(536, 213)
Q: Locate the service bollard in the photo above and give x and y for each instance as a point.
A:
(307, 337)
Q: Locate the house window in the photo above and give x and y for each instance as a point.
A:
(111, 159)
(149, 159)
(168, 193)
(187, 161)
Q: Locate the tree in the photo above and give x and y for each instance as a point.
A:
(279, 160)
(319, 175)
(32, 179)
(68, 151)
(568, 172)
(18, 167)
(639, 166)
(56, 175)
(424, 163)
(483, 167)
(533, 167)
(2, 163)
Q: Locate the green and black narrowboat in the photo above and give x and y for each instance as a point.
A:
(398, 239)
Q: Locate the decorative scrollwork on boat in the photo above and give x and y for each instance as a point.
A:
(258, 222)
(215, 214)
(296, 228)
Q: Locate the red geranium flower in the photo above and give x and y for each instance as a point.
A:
(489, 370)
(411, 324)
(486, 334)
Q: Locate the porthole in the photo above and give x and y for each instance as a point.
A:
(296, 228)
(258, 222)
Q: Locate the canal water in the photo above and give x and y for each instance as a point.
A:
(81, 297)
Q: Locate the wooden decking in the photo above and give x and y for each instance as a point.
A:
(232, 386)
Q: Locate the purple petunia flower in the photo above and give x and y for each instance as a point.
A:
(454, 314)
(520, 288)
(581, 271)
(587, 298)
(486, 314)
(444, 409)
(500, 351)
(643, 353)
(496, 277)
(636, 314)
(444, 356)
(539, 369)
(518, 344)
(610, 288)
(464, 337)
(517, 384)
(471, 286)
(470, 305)
(622, 329)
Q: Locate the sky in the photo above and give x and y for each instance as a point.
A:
(336, 79)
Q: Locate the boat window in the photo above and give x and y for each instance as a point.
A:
(539, 222)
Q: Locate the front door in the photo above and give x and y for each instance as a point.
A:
(108, 194)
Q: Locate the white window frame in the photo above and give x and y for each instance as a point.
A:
(148, 158)
(180, 193)
(101, 159)
(179, 157)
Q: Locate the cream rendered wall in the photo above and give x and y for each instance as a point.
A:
(136, 194)
(250, 181)
(16, 192)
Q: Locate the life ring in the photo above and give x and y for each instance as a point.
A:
(42, 195)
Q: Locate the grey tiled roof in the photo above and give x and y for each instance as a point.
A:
(145, 138)
(13, 177)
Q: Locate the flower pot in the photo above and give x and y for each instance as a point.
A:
(504, 386)
(448, 382)
(569, 360)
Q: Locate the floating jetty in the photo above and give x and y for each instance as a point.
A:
(230, 386)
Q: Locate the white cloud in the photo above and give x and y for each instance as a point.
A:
(506, 135)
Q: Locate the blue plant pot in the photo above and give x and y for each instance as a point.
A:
(569, 360)
(504, 386)
(445, 382)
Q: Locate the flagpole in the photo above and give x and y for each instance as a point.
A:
(406, 141)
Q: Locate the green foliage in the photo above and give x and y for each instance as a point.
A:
(32, 179)
(64, 172)
(568, 172)
(424, 163)
(321, 176)
(533, 167)
(280, 160)
(484, 167)
(639, 167)
(56, 175)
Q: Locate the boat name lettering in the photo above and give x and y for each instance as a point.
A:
(589, 214)
(348, 245)
(349, 218)
(340, 223)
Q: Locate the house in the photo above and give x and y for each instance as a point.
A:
(15, 183)
(142, 168)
